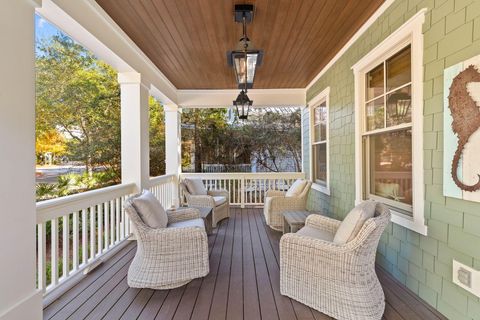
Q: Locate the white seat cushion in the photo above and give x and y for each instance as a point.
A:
(354, 221)
(296, 188)
(312, 232)
(150, 210)
(188, 223)
(196, 187)
(219, 200)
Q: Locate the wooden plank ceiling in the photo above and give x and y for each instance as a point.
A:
(188, 39)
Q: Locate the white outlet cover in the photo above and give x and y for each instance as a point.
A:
(475, 278)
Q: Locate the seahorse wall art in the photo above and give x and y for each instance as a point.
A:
(466, 120)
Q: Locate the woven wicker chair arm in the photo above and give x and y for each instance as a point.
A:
(274, 193)
(182, 214)
(200, 201)
(322, 222)
(316, 246)
(218, 193)
(289, 203)
(175, 237)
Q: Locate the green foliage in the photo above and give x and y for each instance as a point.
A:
(78, 96)
(157, 138)
(267, 139)
(74, 183)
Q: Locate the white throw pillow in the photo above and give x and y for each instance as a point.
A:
(354, 221)
(196, 187)
(296, 188)
(150, 210)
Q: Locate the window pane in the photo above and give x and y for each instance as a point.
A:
(320, 163)
(399, 107)
(399, 69)
(316, 133)
(375, 114)
(316, 115)
(391, 165)
(375, 82)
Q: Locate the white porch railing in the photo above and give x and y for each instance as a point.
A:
(247, 188)
(165, 188)
(83, 227)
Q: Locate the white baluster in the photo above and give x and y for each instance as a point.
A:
(84, 237)
(42, 256)
(66, 246)
(93, 233)
(75, 240)
(54, 251)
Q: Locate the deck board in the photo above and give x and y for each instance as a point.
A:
(243, 283)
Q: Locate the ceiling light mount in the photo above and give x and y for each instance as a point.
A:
(245, 59)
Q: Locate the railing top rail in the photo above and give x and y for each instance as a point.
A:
(251, 175)
(54, 208)
(160, 179)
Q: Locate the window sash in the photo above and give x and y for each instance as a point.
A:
(366, 134)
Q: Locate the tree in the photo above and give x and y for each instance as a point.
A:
(157, 138)
(50, 141)
(79, 96)
(203, 127)
(269, 139)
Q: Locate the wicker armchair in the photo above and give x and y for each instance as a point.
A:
(168, 257)
(338, 280)
(276, 203)
(218, 200)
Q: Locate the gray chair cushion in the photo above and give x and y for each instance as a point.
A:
(196, 187)
(354, 221)
(188, 223)
(219, 200)
(150, 210)
(312, 232)
(296, 188)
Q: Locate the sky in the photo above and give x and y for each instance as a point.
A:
(44, 29)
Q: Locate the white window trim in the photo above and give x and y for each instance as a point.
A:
(409, 33)
(314, 102)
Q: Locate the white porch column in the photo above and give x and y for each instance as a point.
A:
(134, 127)
(19, 298)
(173, 143)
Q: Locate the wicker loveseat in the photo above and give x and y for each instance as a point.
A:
(171, 256)
(336, 279)
(277, 202)
(197, 195)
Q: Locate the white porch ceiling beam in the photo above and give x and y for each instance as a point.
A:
(223, 98)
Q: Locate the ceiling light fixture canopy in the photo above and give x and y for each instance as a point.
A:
(245, 58)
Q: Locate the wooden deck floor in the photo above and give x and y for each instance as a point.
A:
(243, 283)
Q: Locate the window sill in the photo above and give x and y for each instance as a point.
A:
(322, 189)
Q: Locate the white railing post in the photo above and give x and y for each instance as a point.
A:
(134, 129)
(172, 145)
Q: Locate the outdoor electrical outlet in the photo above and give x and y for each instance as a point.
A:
(466, 277)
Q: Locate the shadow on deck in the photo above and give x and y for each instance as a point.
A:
(243, 283)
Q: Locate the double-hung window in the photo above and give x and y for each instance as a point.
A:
(389, 125)
(319, 141)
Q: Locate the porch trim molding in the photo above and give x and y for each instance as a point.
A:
(223, 98)
(409, 33)
(352, 40)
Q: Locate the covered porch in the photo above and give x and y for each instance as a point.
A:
(68, 258)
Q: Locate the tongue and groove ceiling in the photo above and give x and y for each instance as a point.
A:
(188, 39)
